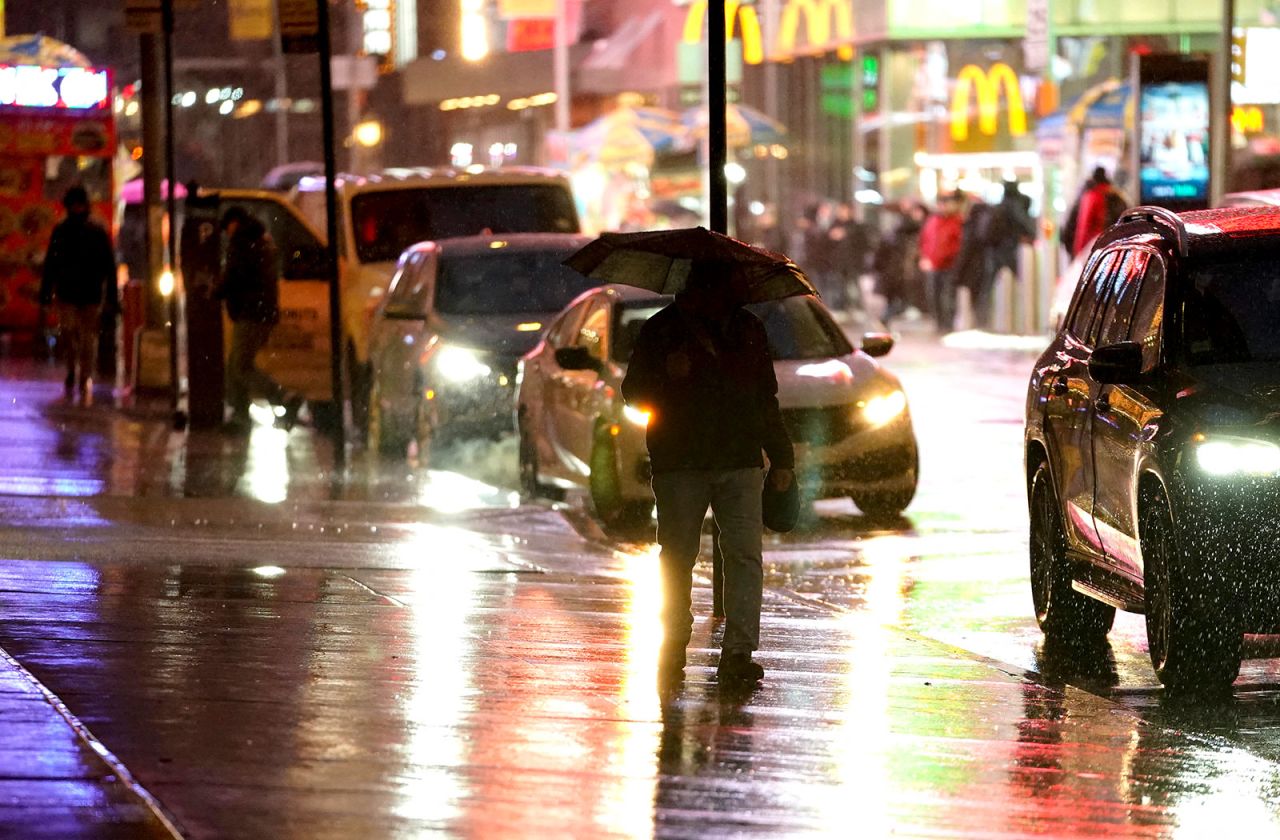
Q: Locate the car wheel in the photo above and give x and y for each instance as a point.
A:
(1064, 615)
(889, 504)
(606, 487)
(383, 438)
(1194, 641)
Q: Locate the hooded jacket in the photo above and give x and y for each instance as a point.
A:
(251, 278)
(79, 265)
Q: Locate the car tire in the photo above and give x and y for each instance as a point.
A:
(1194, 641)
(882, 504)
(1065, 616)
(607, 501)
(382, 438)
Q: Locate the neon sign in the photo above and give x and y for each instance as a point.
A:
(70, 88)
(734, 12)
(818, 17)
(985, 86)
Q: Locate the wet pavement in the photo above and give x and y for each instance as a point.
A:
(270, 648)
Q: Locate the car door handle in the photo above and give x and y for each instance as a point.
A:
(1059, 386)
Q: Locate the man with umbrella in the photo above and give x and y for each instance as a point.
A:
(701, 368)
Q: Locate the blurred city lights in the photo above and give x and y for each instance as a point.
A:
(368, 133)
(166, 282)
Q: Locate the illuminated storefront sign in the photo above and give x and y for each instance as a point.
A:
(828, 25)
(821, 35)
(737, 17)
(72, 88)
(1247, 119)
(984, 86)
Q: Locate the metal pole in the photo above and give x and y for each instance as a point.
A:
(331, 227)
(282, 88)
(717, 145)
(1220, 125)
(153, 169)
(560, 57)
(171, 206)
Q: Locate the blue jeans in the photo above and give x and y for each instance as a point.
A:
(733, 496)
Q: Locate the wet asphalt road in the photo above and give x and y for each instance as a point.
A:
(276, 650)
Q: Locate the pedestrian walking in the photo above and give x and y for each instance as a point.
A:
(701, 367)
(79, 277)
(970, 269)
(1005, 226)
(849, 245)
(1100, 206)
(251, 289)
(939, 247)
(896, 261)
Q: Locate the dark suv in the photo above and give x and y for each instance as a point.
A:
(1153, 442)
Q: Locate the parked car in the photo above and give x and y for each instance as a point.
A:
(847, 415)
(1153, 442)
(446, 338)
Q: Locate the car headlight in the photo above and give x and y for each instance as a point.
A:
(880, 410)
(1238, 456)
(458, 364)
(638, 416)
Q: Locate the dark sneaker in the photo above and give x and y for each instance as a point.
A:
(736, 666)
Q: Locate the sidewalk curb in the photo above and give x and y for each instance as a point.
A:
(117, 768)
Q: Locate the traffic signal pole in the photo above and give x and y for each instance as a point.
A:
(331, 219)
(717, 141)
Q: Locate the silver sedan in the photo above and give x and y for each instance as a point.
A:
(446, 338)
(847, 415)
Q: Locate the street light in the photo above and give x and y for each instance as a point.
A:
(368, 133)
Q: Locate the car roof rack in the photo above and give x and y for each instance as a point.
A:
(1159, 215)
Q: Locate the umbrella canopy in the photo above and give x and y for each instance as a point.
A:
(744, 126)
(627, 135)
(660, 260)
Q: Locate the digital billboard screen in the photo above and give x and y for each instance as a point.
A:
(1171, 155)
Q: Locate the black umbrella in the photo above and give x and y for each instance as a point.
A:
(659, 260)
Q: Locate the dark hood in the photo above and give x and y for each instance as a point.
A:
(1236, 394)
(495, 334)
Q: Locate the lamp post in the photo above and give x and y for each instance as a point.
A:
(717, 142)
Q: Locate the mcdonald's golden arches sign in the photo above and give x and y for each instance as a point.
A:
(984, 87)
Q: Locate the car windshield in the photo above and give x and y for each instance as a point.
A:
(388, 221)
(506, 282)
(800, 328)
(1232, 311)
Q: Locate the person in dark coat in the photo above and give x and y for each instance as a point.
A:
(251, 289)
(971, 262)
(701, 368)
(1006, 226)
(79, 276)
(897, 262)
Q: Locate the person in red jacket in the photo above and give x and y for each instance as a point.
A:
(1093, 216)
(939, 246)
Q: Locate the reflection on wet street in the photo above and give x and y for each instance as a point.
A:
(276, 649)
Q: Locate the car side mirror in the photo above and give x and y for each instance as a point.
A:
(578, 358)
(876, 345)
(1117, 364)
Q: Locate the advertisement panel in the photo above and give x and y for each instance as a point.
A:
(1173, 130)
